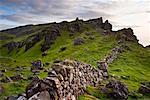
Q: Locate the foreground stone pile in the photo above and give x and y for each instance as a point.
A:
(67, 80)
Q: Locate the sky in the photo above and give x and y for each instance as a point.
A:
(121, 13)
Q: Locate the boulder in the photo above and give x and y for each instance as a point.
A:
(118, 90)
(33, 87)
(36, 66)
(78, 41)
(21, 98)
(145, 88)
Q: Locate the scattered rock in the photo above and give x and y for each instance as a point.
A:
(1, 74)
(145, 88)
(78, 41)
(16, 77)
(44, 53)
(36, 67)
(12, 98)
(44, 95)
(91, 37)
(21, 98)
(6, 79)
(119, 90)
(1, 89)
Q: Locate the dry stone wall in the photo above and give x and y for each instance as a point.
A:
(68, 79)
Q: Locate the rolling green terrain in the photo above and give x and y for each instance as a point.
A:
(131, 67)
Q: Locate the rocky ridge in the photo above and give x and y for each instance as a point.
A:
(50, 33)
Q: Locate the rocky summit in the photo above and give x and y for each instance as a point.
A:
(77, 60)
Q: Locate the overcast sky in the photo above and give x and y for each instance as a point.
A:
(121, 13)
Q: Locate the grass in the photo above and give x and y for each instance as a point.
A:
(131, 67)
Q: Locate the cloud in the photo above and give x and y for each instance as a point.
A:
(5, 26)
(33, 10)
(148, 11)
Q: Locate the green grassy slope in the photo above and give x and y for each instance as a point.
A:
(131, 67)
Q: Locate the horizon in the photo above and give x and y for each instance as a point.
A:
(120, 13)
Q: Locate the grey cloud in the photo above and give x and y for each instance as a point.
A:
(5, 26)
(30, 11)
(148, 11)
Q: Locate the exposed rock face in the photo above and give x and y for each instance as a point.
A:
(44, 95)
(50, 36)
(126, 35)
(107, 25)
(119, 90)
(78, 41)
(11, 46)
(96, 22)
(67, 79)
(32, 41)
(75, 26)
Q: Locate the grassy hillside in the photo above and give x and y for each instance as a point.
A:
(131, 67)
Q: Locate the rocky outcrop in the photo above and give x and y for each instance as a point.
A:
(78, 41)
(50, 36)
(31, 41)
(10, 46)
(96, 22)
(107, 26)
(126, 35)
(75, 26)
